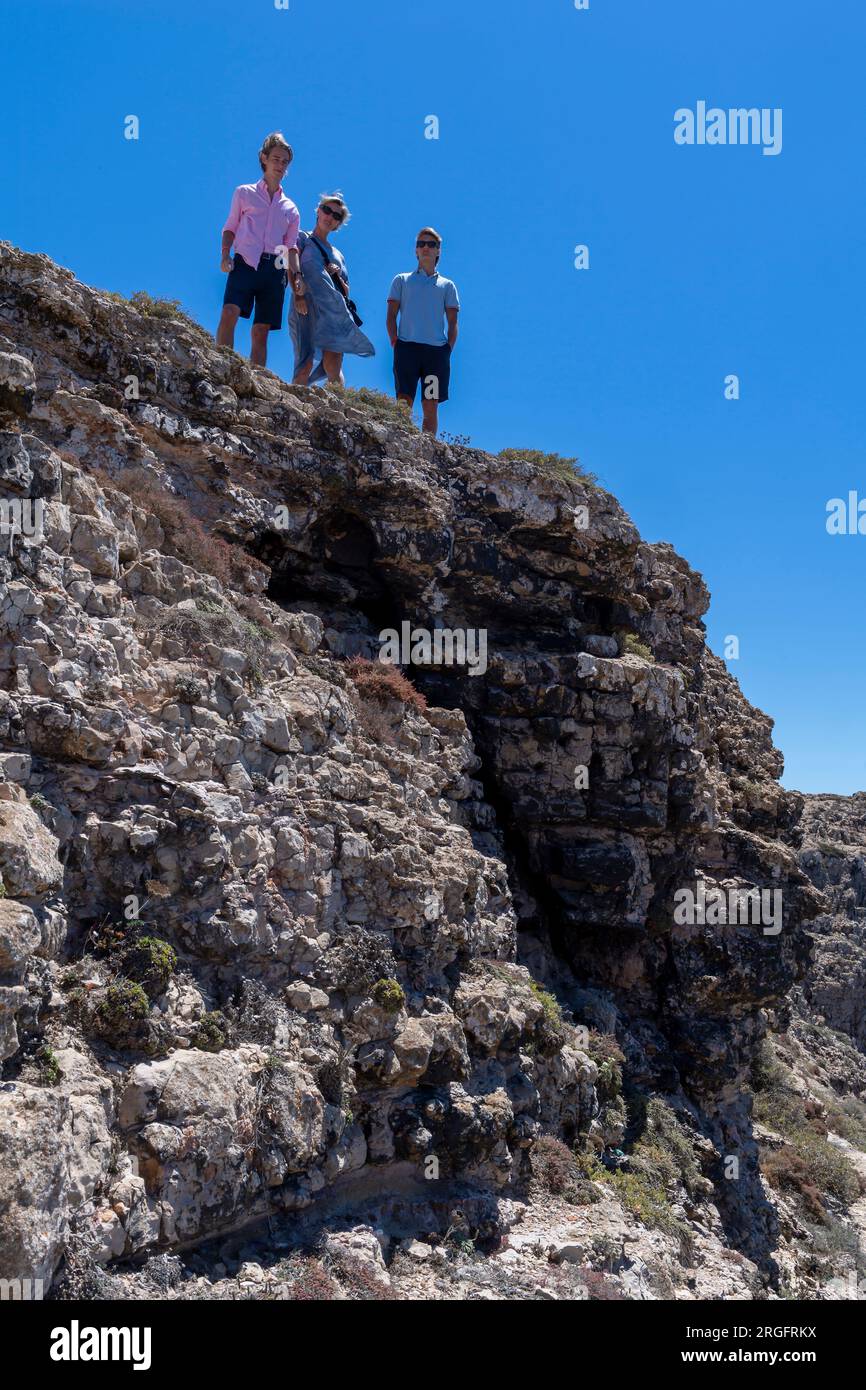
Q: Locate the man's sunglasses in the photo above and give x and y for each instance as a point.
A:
(337, 216)
(426, 245)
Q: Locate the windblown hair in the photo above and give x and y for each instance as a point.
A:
(276, 140)
(339, 201)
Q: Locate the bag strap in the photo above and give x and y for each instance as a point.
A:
(338, 278)
(319, 247)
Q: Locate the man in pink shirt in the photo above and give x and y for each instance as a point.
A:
(262, 225)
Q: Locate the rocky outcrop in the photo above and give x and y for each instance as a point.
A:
(833, 854)
(312, 935)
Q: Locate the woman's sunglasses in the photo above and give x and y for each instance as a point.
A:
(426, 245)
(337, 216)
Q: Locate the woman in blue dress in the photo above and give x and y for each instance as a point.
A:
(328, 330)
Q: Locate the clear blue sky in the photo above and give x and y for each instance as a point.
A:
(556, 128)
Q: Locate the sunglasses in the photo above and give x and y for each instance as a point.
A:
(427, 245)
(337, 216)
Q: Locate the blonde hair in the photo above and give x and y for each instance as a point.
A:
(335, 198)
(276, 140)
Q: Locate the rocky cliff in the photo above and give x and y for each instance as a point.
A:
(287, 938)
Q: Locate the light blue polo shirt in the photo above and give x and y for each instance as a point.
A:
(423, 300)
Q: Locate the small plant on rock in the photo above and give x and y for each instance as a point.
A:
(389, 995)
(806, 1164)
(631, 645)
(377, 680)
(49, 1067)
(459, 441)
(557, 465)
(188, 690)
(151, 962)
(123, 1005)
(551, 1006)
(559, 1171)
(212, 1033)
(166, 309)
(376, 404)
(604, 1050)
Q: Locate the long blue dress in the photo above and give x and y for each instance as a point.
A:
(328, 326)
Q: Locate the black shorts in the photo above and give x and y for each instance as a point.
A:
(414, 362)
(266, 286)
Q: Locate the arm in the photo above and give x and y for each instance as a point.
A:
(452, 309)
(395, 299)
(232, 223)
(296, 280)
(391, 320)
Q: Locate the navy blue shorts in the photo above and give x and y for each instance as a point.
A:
(265, 286)
(414, 362)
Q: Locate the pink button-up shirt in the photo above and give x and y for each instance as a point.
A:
(260, 223)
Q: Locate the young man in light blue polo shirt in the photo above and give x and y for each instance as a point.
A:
(428, 306)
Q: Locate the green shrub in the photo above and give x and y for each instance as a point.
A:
(646, 1200)
(123, 1005)
(588, 1165)
(848, 1118)
(49, 1067)
(151, 962)
(631, 644)
(389, 995)
(603, 1049)
(664, 1153)
(808, 1165)
(375, 403)
(660, 1160)
(212, 1033)
(551, 1006)
(556, 465)
(165, 309)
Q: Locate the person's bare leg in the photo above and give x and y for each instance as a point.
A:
(302, 375)
(333, 364)
(225, 334)
(259, 344)
(430, 416)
